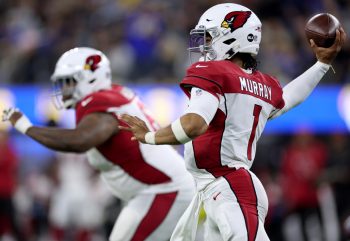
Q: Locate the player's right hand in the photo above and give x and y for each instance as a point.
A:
(11, 114)
(17, 119)
(327, 55)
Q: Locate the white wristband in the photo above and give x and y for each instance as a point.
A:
(179, 132)
(23, 124)
(150, 138)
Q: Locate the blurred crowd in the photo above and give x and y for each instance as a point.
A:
(307, 176)
(146, 41)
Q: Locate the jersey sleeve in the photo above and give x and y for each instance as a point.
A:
(203, 103)
(301, 87)
(281, 102)
(201, 75)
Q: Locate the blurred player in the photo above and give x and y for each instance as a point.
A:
(151, 180)
(8, 172)
(230, 103)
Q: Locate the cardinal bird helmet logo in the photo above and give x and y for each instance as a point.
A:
(92, 62)
(235, 19)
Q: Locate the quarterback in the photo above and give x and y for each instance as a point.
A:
(230, 102)
(152, 181)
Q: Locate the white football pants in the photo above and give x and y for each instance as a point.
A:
(236, 208)
(151, 217)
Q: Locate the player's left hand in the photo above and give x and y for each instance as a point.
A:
(137, 126)
(11, 114)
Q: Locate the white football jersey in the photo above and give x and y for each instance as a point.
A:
(245, 103)
(130, 167)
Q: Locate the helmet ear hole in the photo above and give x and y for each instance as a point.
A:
(92, 81)
(229, 41)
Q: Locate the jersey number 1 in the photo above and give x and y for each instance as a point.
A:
(256, 114)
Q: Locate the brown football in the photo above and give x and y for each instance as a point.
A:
(322, 29)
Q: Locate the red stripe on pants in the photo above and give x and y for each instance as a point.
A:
(155, 216)
(242, 185)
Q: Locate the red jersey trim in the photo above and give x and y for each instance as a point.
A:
(207, 147)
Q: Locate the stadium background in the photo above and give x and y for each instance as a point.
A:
(146, 42)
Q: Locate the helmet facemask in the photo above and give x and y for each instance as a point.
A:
(204, 47)
(64, 88)
(68, 90)
(200, 45)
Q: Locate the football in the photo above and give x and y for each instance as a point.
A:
(322, 29)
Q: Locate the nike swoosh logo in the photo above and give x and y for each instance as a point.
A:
(208, 20)
(216, 196)
(201, 66)
(87, 101)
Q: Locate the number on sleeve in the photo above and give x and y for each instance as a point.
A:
(256, 114)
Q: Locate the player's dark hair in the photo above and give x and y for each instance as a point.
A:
(249, 62)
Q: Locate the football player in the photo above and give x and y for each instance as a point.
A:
(152, 181)
(230, 103)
